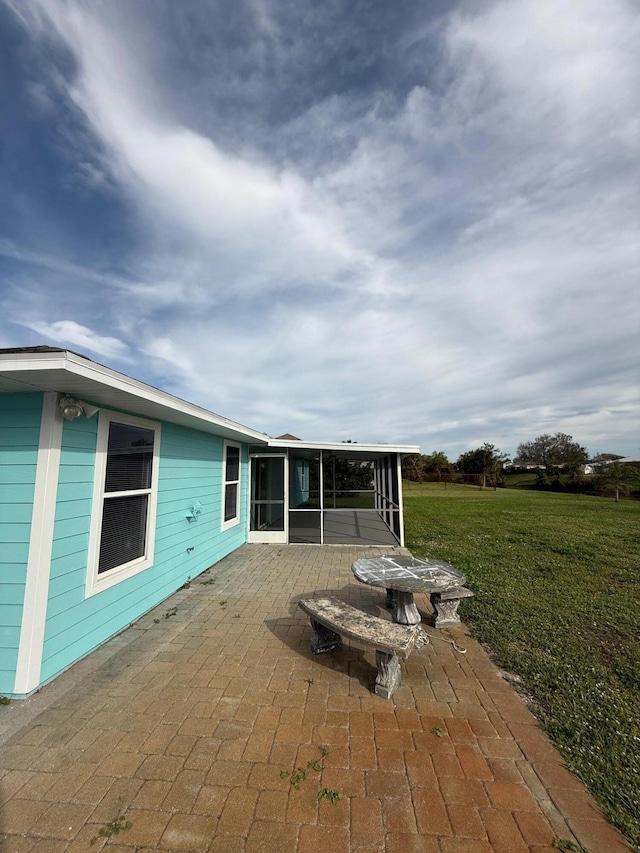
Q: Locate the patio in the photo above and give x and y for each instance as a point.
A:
(179, 733)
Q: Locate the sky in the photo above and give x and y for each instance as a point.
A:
(399, 221)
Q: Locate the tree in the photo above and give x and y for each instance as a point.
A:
(574, 459)
(416, 465)
(552, 452)
(412, 466)
(617, 476)
(494, 463)
(347, 476)
(485, 460)
(438, 463)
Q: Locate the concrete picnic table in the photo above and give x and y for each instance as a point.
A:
(402, 576)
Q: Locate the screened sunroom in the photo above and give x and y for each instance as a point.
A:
(326, 494)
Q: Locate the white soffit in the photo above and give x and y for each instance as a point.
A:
(80, 377)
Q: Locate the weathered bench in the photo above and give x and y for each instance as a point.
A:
(445, 604)
(333, 619)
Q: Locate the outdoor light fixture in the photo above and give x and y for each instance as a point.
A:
(73, 409)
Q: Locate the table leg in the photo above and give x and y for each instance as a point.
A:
(405, 611)
(390, 603)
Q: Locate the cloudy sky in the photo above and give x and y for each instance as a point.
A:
(399, 221)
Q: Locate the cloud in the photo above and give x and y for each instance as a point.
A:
(68, 332)
(430, 238)
(263, 226)
(53, 264)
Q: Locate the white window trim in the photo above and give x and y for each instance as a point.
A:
(36, 595)
(236, 519)
(97, 583)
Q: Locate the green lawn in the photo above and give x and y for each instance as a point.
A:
(355, 500)
(557, 583)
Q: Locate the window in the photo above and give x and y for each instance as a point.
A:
(231, 514)
(124, 500)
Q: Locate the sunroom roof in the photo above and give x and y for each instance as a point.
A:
(343, 449)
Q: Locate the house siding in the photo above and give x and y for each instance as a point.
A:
(298, 467)
(190, 471)
(19, 438)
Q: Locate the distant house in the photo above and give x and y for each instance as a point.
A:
(596, 464)
(113, 493)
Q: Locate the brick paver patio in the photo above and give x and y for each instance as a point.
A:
(179, 734)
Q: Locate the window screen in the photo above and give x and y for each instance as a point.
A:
(125, 516)
(230, 501)
(129, 458)
(124, 530)
(231, 485)
(233, 463)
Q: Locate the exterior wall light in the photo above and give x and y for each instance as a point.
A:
(73, 409)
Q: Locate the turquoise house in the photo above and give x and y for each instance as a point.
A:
(114, 493)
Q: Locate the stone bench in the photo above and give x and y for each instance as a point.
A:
(445, 604)
(333, 619)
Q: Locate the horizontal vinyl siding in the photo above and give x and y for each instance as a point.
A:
(20, 416)
(190, 471)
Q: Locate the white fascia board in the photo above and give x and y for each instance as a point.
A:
(104, 378)
(345, 447)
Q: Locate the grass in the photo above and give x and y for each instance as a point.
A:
(557, 583)
(114, 826)
(527, 480)
(355, 500)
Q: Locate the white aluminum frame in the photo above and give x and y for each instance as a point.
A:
(383, 471)
(279, 537)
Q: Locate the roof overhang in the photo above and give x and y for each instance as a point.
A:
(344, 450)
(67, 372)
